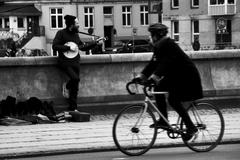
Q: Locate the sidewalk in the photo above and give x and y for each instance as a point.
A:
(95, 135)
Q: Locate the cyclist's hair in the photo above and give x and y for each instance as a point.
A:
(158, 29)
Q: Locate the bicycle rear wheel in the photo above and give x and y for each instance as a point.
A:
(131, 132)
(210, 123)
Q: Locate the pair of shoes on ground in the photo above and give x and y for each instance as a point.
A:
(160, 124)
(65, 91)
(190, 135)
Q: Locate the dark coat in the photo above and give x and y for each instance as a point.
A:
(181, 77)
(64, 36)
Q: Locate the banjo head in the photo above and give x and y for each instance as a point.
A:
(71, 54)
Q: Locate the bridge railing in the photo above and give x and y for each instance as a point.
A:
(103, 77)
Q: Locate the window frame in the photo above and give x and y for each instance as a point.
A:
(1, 22)
(127, 14)
(5, 23)
(224, 1)
(174, 33)
(23, 24)
(234, 2)
(56, 15)
(173, 6)
(110, 7)
(144, 15)
(89, 17)
(193, 5)
(195, 33)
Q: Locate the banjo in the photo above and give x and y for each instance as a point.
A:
(71, 54)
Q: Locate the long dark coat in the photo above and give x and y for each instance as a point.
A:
(181, 77)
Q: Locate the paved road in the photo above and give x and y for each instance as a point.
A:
(222, 152)
(92, 136)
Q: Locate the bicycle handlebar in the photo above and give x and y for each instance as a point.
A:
(128, 89)
(146, 88)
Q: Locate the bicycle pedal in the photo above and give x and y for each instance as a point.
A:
(173, 134)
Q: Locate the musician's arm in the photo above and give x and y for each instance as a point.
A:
(87, 46)
(57, 43)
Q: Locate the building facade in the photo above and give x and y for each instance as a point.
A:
(115, 19)
(215, 23)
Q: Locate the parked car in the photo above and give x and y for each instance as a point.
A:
(129, 46)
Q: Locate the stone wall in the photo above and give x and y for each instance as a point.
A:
(103, 77)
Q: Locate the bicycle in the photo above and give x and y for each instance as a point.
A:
(133, 135)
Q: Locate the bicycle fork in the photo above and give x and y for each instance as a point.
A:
(141, 118)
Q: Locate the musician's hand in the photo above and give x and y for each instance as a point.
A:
(101, 40)
(73, 48)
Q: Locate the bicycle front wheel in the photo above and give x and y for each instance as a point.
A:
(210, 123)
(131, 132)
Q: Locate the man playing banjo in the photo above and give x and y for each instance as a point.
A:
(68, 43)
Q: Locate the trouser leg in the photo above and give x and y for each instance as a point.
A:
(161, 100)
(73, 92)
(72, 85)
(178, 107)
(161, 104)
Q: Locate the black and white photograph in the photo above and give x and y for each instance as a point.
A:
(120, 79)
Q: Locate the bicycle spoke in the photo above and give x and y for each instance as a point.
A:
(211, 136)
(131, 132)
(210, 123)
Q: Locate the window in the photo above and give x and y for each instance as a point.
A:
(175, 4)
(144, 15)
(224, 38)
(195, 29)
(107, 10)
(126, 16)
(88, 16)
(214, 2)
(1, 22)
(195, 3)
(20, 22)
(231, 1)
(56, 15)
(4, 22)
(175, 28)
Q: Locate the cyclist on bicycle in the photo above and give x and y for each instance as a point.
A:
(171, 70)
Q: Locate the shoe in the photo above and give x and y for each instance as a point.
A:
(160, 124)
(190, 135)
(65, 91)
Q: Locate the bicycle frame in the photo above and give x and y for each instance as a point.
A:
(154, 107)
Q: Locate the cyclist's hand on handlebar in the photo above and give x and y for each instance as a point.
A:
(140, 79)
(150, 82)
(137, 80)
(154, 80)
